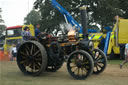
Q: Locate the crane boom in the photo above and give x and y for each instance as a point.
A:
(67, 16)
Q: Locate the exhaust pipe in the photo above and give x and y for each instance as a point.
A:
(83, 12)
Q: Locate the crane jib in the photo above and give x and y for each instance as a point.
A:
(67, 16)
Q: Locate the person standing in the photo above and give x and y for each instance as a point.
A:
(14, 52)
(126, 56)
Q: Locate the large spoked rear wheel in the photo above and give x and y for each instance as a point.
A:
(100, 61)
(80, 64)
(32, 58)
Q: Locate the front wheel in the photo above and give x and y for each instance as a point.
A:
(100, 61)
(80, 64)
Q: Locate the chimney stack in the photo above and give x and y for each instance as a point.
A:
(83, 12)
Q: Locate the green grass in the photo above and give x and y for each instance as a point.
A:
(115, 62)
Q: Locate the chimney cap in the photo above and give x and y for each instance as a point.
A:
(83, 8)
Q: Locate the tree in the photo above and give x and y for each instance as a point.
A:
(123, 4)
(2, 25)
(51, 18)
(102, 12)
(32, 18)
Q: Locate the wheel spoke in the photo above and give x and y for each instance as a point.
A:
(75, 70)
(24, 58)
(24, 61)
(22, 53)
(85, 70)
(73, 60)
(37, 65)
(99, 65)
(38, 59)
(97, 68)
(101, 61)
(96, 57)
(73, 66)
(27, 52)
(32, 49)
(36, 53)
(27, 48)
(78, 71)
(85, 65)
(82, 71)
(85, 59)
(82, 57)
(79, 56)
(32, 67)
(99, 57)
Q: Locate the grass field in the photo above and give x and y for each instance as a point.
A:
(113, 75)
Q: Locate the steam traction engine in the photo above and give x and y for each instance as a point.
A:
(48, 53)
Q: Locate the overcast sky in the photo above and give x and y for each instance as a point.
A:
(14, 11)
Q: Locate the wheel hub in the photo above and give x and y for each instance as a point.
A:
(95, 62)
(31, 58)
(79, 64)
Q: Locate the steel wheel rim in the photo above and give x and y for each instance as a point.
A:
(83, 67)
(29, 58)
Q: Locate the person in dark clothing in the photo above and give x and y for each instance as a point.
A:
(37, 31)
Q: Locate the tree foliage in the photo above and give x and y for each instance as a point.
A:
(101, 12)
(33, 17)
(2, 23)
(123, 5)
